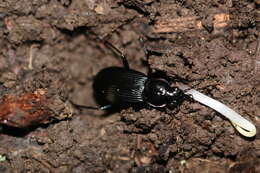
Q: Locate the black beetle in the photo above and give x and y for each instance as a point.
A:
(123, 87)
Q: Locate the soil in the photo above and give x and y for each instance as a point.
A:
(50, 52)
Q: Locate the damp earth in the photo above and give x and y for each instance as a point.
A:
(50, 52)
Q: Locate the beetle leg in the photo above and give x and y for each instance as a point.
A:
(146, 52)
(115, 50)
(90, 107)
(118, 52)
(105, 107)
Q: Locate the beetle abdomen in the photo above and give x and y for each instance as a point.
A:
(120, 86)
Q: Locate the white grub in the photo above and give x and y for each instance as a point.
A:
(243, 126)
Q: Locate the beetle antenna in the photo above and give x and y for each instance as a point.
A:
(192, 87)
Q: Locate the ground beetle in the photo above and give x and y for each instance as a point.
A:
(124, 87)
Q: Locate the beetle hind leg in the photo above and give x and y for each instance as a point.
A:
(118, 52)
(106, 107)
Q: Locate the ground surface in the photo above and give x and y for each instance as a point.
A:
(49, 56)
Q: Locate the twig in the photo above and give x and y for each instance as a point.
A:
(30, 64)
(189, 23)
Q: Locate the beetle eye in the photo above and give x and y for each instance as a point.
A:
(155, 92)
